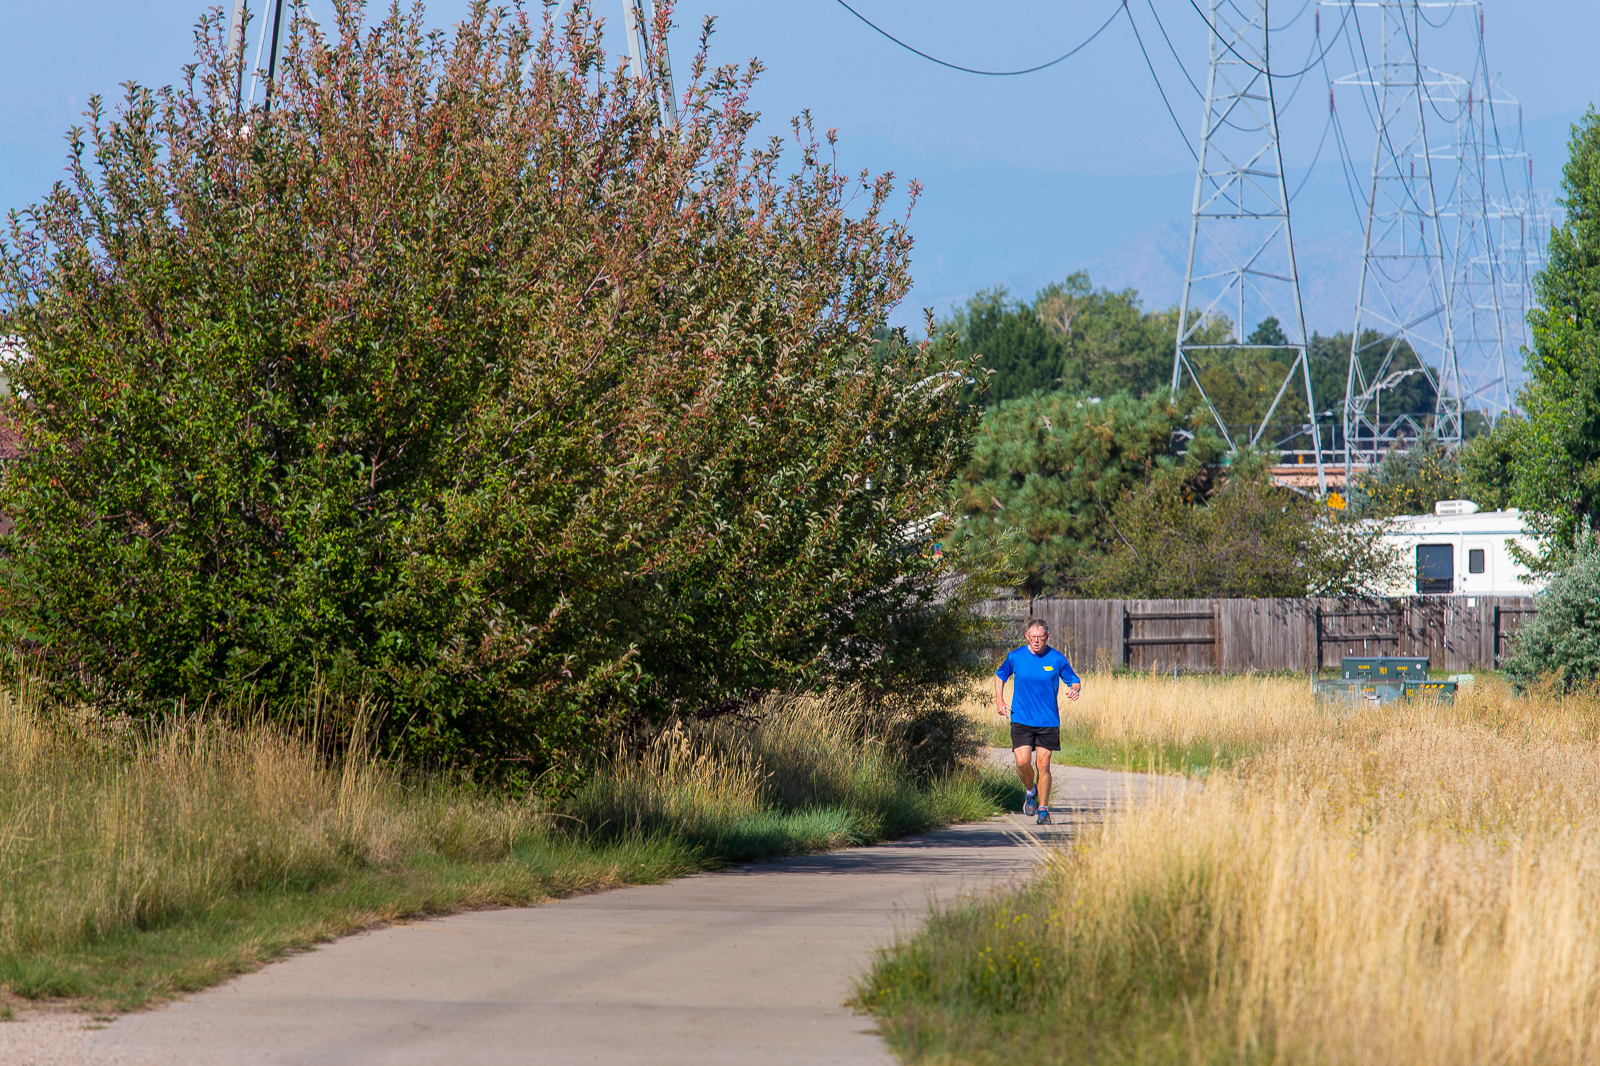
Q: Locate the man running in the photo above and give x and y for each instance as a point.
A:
(1040, 671)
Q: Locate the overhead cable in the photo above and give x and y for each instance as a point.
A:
(1151, 5)
(1151, 67)
(1240, 56)
(1315, 159)
(987, 73)
(1384, 140)
(1347, 166)
(1304, 7)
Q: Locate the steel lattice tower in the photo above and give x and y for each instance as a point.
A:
(1489, 295)
(1477, 276)
(272, 28)
(1241, 260)
(1405, 289)
(637, 25)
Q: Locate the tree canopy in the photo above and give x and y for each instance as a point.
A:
(1557, 452)
(457, 381)
(1196, 530)
(1070, 336)
(1047, 469)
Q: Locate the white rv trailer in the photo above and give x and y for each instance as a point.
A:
(1459, 549)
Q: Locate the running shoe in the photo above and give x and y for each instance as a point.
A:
(1030, 803)
(1044, 816)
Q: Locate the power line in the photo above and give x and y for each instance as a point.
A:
(1246, 62)
(987, 73)
(1151, 67)
(1314, 159)
(1306, 6)
(1151, 5)
(1346, 164)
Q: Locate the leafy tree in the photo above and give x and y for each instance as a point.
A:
(457, 381)
(1408, 481)
(1202, 531)
(1111, 344)
(1561, 644)
(1407, 392)
(1557, 468)
(1047, 469)
(1070, 336)
(1243, 383)
(1487, 462)
(1010, 340)
(1268, 334)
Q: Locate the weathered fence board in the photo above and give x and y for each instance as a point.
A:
(1453, 632)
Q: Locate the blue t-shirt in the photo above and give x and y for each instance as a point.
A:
(1033, 694)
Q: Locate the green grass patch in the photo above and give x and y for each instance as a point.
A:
(988, 983)
(1080, 747)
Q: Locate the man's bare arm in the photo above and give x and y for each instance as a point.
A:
(1000, 707)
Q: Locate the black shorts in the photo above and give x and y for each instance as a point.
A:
(1047, 737)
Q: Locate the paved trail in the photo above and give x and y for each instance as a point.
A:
(739, 966)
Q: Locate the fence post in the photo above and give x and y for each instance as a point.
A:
(1216, 636)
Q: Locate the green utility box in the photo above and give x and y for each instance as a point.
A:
(1384, 668)
(1439, 690)
(1360, 690)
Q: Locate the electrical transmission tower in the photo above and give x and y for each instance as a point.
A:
(1489, 294)
(1518, 222)
(272, 28)
(638, 26)
(1241, 261)
(1405, 288)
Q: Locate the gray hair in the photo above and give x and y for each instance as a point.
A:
(1036, 623)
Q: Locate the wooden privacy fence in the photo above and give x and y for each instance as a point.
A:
(1453, 632)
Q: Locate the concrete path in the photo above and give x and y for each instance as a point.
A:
(740, 966)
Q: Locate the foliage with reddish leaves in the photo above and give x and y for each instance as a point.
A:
(454, 379)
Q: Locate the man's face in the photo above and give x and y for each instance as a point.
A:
(1037, 636)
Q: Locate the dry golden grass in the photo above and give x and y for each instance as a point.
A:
(1418, 883)
(831, 768)
(102, 834)
(1157, 722)
(136, 862)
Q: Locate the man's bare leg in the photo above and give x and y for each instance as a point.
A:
(1024, 757)
(1042, 757)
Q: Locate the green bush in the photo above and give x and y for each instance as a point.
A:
(1561, 644)
(456, 381)
(1206, 531)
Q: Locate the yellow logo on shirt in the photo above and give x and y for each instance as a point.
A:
(1049, 668)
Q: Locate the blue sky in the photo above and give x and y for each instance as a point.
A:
(1026, 178)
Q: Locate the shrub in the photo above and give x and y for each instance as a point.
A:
(456, 380)
(1561, 644)
(1200, 531)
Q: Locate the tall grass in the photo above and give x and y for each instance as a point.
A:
(1158, 722)
(1418, 884)
(134, 862)
(803, 773)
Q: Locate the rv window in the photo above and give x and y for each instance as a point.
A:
(1436, 568)
(1474, 560)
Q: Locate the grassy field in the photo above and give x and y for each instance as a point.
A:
(1418, 884)
(1150, 723)
(137, 865)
